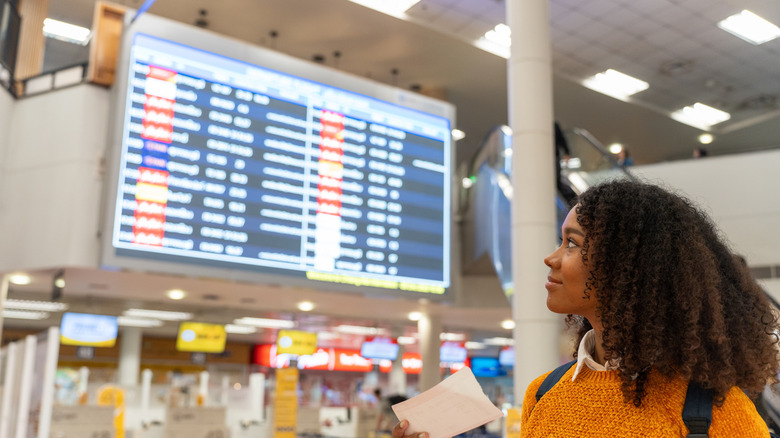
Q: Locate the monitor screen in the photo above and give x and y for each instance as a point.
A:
(88, 330)
(234, 165)
(201, 338)
(486, 367)
(506, 357)
(453, 352)
(379, 348)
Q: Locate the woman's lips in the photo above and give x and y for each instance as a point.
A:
(552, 282)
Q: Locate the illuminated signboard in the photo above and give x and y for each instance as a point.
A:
(235, 165)
(84, 329)
(200, 337)
(379, 348)
(296, 342)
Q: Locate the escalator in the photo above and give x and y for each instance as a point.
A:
(486, 192)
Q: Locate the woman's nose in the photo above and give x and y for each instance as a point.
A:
(551, 258)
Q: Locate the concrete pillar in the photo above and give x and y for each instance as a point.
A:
(533, 215)
(129, 356)
(429, 329)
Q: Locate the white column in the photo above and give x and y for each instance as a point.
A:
(397, 377)
(533, 215)
(129, 356)
(429, 329)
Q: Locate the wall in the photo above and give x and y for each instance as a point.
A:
(740, 194)
(52, 181)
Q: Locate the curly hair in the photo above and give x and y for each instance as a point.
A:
(671, 296)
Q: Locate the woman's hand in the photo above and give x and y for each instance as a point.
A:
(399, 431)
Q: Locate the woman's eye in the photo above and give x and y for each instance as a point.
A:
(570, 243)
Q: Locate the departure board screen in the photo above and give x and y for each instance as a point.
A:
(232, 164)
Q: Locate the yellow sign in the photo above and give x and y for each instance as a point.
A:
(110, 395)
(513, 419)
(296, 342)
(286, 404)
(201, 338)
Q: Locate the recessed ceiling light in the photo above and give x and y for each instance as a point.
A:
(467, 183)
(265, 322)
(67, 32)
(159, 314)
(305, 306)
(508, 324)
(497, 40)
(396, 8)
(616, 84)
(20, 279)
(615, 148)
(240, 329)
(457, 134)
(700, 116)
(129, 321)
(42, 306)
(415, 316)
(706, 138)
(176, 294)
(23, 314)
(750, 27)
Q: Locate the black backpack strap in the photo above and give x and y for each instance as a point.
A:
(697, 411)
(552, 379)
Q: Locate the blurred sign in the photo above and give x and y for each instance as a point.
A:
(286, 404)
(296, 342)
(201, 338)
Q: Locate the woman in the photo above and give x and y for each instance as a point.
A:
(657, 300)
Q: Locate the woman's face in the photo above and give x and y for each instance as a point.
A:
(568, 274)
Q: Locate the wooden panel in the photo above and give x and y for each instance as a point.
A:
(107, 27)
(32, 43)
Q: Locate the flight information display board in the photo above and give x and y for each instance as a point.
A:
(230, 163)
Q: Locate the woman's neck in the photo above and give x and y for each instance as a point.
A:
(598, 351)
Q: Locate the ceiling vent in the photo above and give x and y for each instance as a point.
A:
(760, 102)
(676, 67)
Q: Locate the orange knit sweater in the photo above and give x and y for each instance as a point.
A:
(593, 406)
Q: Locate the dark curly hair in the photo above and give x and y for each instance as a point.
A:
(671, 295)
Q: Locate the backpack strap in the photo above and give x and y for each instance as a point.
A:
(552, 379)
(697, 411)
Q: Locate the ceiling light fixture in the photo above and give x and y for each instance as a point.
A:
(499, 341)
(130, 321)
(615, 148)
(359, 330)
(415, 316)
(405, 340)
(457, 134)
(497, 40)
(305, 306)
(20, 279)
(240, 329)
(41, 306)
(452, 337)
(616, 84)
(396, 8)
(176, 294)
(700, 116)
(471, 345)
(706, 138)
(750, 27)
(265, 322)
(69, 33)
(507, 324)
(158, 314)
(24, 314)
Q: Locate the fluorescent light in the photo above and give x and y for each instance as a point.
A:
(265, 322)
(396, 8)
(474, 345)
(499, 341)
(457, 134)
(159, 314)
(415, 316)
(42, 306)
(507, 324)
(305, 306)
(129, 321)
(20, 279)
(67, 32)
(452, 336)
(23, 314)
(616, 84)
(176, 294)
(700, 115)
(358, 330)
(240, 329)
(750, 27)
(405, 340)
(496, 41)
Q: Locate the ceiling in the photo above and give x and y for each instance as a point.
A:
(674, 45)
